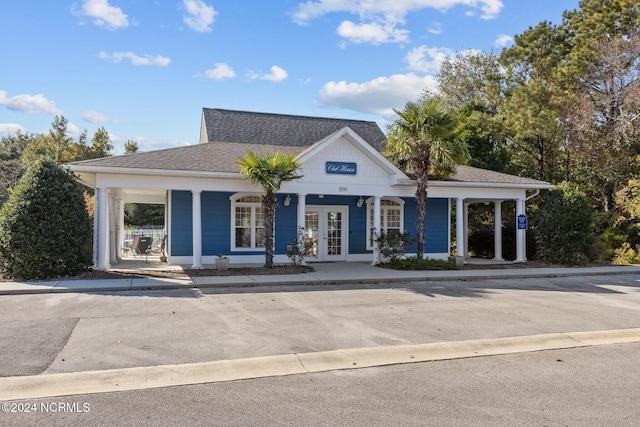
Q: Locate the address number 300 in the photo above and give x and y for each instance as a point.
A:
(343, 189)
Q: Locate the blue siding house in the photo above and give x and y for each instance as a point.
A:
(348, 192)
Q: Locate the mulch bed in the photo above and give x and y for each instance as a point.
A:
(205, 272)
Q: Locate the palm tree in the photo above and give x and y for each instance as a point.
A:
(425, 141)
(269, 171)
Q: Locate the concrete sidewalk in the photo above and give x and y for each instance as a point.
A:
(324, 274)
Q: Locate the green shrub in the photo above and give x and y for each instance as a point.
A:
(612, 239)
(45, 230)
(393, 245)
(415, 263)
(565, 233)
(626, 255)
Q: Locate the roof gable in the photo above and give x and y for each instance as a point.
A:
(365, 153)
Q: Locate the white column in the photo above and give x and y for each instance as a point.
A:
(119, 227)
(460, 226)
(113, 238)
(466, 230)
(521, 255)
(102, 240)
(302, 208)
(197, 228)
(377, 228)
(497, 231)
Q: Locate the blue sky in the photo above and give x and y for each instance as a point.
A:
(144, 69)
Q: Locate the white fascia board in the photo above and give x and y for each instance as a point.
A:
(203, 130)
(153, 172)
(457, 184)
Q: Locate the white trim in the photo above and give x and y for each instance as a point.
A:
(383, 217)
(344, 209)
(505, 185)
(196, 228)
(234, 203)
(359, 143)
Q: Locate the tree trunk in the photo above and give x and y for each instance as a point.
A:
(421, 199)
(269, 206)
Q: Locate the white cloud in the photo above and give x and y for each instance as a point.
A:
(427, 59)
(73, 130)
(277, 75)
(10, 128)
(117, 57)
(503, 40)
(374, 33)
(29, 104)
(220, 71)
(436, 28)
(386, 10)
(103, 14)
(95, 117)
(200, 16)
(378, 96)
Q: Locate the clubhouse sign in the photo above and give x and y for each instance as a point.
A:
(341, 168)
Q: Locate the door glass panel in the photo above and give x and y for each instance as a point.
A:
(311, 223)
(334, 233)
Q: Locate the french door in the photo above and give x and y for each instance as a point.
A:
(327, 225)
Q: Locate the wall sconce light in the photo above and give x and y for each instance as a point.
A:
(360, 202)
(320, 196)
(287, 200)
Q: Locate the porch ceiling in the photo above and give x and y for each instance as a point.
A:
(143, 195)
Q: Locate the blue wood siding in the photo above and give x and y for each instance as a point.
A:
(216, 223)
(436, 224)
(181, 240)
(286, 223)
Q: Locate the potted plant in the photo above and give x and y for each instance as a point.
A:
(222, 263)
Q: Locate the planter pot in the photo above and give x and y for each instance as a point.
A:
(222, 264)
(458, 260)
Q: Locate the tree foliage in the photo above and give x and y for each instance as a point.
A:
(20, 150)
(560, 103)
(565, 232)
(269, 171)
(45, 230)
(131, 147)
(425, 140)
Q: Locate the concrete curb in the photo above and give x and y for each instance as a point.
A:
(79, 286)
(113, 380)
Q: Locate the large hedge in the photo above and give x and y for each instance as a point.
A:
(45, 230)
(565, 233)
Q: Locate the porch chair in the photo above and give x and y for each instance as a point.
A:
(140, 245)
(157, 249)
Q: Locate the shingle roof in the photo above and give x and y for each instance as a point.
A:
(232, 133)
(211, 157)
(282, 129)
(471, 174)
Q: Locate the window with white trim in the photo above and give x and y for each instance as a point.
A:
(247, 223)
(391, 217)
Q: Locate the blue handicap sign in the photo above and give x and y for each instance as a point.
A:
(522, 222)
